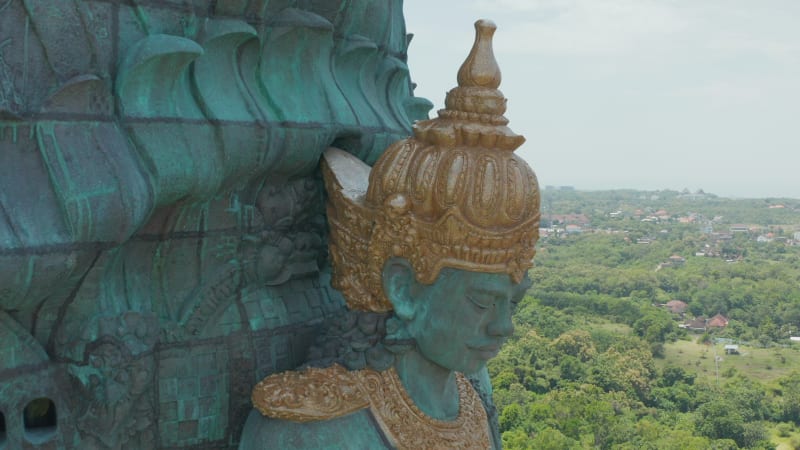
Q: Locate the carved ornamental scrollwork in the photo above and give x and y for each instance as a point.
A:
(125, 129)
(320, 394)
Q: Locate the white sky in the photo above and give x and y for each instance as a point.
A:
(645, 94)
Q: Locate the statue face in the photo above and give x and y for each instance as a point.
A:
(462, 319)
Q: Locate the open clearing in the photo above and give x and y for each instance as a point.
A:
(710, 361)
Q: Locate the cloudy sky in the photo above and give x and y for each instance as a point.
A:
(646, 94)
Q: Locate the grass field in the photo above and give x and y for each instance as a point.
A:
(711, 364)
(605, 325)
(710, 361)
(785, 436)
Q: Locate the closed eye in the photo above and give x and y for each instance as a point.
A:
(480, 303)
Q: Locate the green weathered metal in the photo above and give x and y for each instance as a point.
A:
(430, 248)
(162, 233)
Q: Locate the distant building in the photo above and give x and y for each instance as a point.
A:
(718, 321)
(739, 228)
(573, 229)
(677, 260)
(731, 349)
(722, 236)
(577, 219)
(696, 324)
(676, 306)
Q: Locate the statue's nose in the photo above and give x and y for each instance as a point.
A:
(501, 324)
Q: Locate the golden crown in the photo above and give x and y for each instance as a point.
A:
(453, 195)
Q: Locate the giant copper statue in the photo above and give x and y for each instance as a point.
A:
(164, 234)
(430, 249)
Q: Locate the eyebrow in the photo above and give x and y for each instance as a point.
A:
(490, 292)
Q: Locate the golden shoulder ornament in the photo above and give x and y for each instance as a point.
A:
(323, 394)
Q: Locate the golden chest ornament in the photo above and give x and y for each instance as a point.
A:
(321, 394)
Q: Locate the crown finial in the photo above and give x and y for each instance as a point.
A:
(480, 69)
(454, 195)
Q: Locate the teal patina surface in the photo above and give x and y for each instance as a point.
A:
(455, 324)
(162, 233)
(430, 248)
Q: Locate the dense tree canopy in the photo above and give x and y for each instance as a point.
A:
(583, 370)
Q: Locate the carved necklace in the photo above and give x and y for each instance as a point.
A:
(321, 394)
(408, 427)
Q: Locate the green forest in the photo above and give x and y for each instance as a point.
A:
(656, 320)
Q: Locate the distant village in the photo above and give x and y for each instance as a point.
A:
(678, 309)
(718, 233)
(567, 224)
(716, 229)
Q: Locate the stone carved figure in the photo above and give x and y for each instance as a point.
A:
(430, 249)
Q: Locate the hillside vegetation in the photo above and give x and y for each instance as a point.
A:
(598, 359)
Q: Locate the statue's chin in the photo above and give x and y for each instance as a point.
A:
(471, 367)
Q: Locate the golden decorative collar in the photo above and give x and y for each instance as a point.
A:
(321, 394)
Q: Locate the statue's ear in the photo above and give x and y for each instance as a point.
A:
(398, 285)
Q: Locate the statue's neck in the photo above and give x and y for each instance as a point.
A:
(433, 388)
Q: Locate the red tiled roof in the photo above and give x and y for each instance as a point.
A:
(719, 321)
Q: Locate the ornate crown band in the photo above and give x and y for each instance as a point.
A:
(454, 195)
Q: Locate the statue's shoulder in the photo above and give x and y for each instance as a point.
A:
(357, 430)
(335, 408)
(311, 409)
(310, 394)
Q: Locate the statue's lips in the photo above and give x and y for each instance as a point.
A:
(488, 351)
